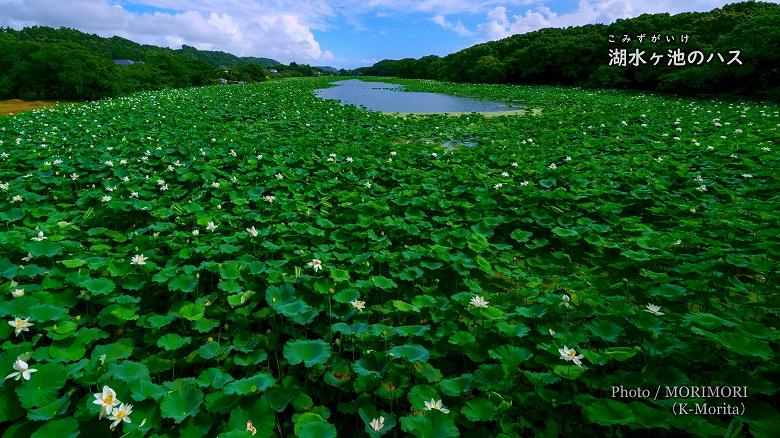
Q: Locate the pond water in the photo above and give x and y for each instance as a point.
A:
(390, 98)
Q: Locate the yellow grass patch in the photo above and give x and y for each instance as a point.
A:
(14, 106)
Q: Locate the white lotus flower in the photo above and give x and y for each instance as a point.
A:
(120, 414)
(565, 300)
(315, 264)
(702, 188)
(368, 185)
(195, 232)
(22, 371)
(514, 164)
(74, 176)
(279, 176)
(20, 325)
(392, 153)
(106, 400)
(655, 310)
(478, 301)
(17, 198)
(524, 183)
(766, 149)
(349, 159)
(498, 186)
(436, 404)
(109, 163)
(552, 332)
(359, 305)
(215, 185)
(567, 159)
(505, 174)
(105, 198)
(4, 186)
(747, 175)
(252, 231)
(164, 187)
(133, 194)
(28, 257)
(211, 227)
(269, 198)
(39, 237)
(138, 259)
(553, 166)
(570, 355)
(378, 423)
(16, 293)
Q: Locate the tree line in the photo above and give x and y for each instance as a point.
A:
(65, 64)
(580, 55)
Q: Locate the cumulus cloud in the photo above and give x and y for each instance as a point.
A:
(457, 27)
(283, 29)
(241, 28)
(501, 23)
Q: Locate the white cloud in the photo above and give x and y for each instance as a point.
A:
(241, 28)
(457, 27)
(500, 23)
(283, 29)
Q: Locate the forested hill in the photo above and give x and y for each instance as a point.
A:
(581, 55)
(224, 59)
(45, 63)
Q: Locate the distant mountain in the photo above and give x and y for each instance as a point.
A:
(223, 59)
(45, 63)
(327, 69)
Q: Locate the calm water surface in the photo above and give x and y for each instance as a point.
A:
(390, 98)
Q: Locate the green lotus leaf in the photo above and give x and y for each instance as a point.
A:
(172, 341)
(479, 409)
(128, 371)
(45, 248)
(99, 286)
(249, 385)
(339, 275)
(183, 283)
(431, 425)
(310, 352)
(184, 401)
(43, 387)
(192, 311)
(61, 428)
(410, 352)
(310, 425)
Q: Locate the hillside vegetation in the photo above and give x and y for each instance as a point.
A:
(580, 55)
(45, 63)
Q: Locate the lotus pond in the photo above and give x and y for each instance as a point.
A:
(251, 259)
(391, 98)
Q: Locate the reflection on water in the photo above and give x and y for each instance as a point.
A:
(389, 98)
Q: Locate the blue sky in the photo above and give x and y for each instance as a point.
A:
(340, 33)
